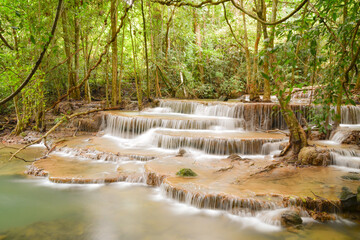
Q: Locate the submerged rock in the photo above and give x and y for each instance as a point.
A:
(351, 177)
(186, 172)
(290, 218)
(314, 156)
(349, 200)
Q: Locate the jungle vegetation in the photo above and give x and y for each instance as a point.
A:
(116, 51)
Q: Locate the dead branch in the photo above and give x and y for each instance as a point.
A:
(224, 169)
(20, 158)
(268, 168)
(63, 119)
(324, 199)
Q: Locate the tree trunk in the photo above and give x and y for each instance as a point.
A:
(137, 82)
(262, 15)
(121, 64)
(247, 52)
(146, 52)
(114, 58)
(71, 82)
(197, 32)
(253, 88)
(298, 138)
(86, 53)
(107, 80)
(77, 43)
(342, 79)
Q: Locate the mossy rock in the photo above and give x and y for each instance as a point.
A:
(351, 177)
(186, 172)
(290, 218)
(314, 156)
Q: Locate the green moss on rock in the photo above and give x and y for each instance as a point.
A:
(186, 172)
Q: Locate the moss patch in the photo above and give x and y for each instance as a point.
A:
(186, 172)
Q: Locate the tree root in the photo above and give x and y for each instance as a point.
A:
(285, 150)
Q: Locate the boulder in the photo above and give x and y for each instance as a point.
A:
(181, 152)
(290, 218)
(235, 157)
(314, 156)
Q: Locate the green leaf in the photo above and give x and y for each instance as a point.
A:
(265, 75)
(32, 39)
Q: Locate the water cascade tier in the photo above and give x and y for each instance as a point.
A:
(229, 145)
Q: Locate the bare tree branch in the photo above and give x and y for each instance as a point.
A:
(65, 118)
(231, 29)
(180, 3)
(5, 42)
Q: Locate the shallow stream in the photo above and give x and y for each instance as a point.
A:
(34, 208)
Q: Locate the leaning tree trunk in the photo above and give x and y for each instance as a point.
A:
(298, 138)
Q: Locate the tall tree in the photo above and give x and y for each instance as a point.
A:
(114, 56)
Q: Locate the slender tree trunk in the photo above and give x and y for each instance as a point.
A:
(77, 44)
(254, 95)
(107, 80)
(146, 52)
(262, 15)
(121, 64)
(71, 82)
(114, 58)
(167, 42)
(340, 94)
(247, 52)
(18, 128)
(86, 65)
(137, 82)
(197, 32)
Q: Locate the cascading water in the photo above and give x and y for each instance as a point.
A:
(208, 130)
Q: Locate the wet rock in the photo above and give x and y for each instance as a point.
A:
(316, 135)
(348, 200)
(235, 157)
(181, 152)
(314, 156)
(223, 98)
(353, 137)
(351, 177)
(186, 172)
(290, 218)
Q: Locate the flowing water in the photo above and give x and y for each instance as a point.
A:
(36, 208)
